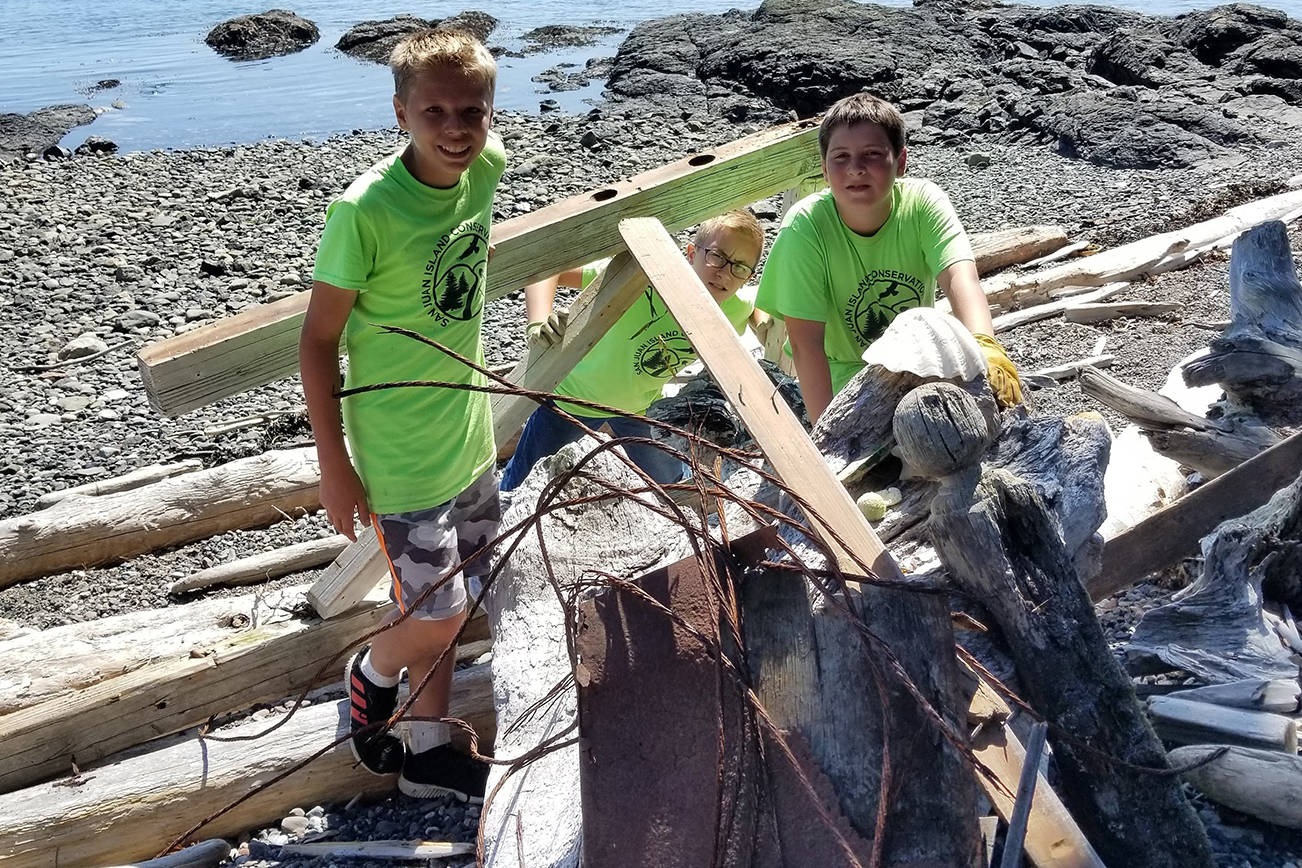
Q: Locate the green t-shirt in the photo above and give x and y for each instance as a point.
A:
(416, 255)
(821, 270)
(630, 365)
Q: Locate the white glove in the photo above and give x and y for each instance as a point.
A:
(548, 332)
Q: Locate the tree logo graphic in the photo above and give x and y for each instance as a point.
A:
(453, 286)
(664, 355)
(880, 297)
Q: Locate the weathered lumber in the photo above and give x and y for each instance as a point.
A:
(205, 854)
(125, 482)
(591, 315)
(378, 849)
(1034, 313)
(1153, 255)
(1004, 247)
(250, 492)
(132, 808)
(1215, 628)
(173, 685)
(1279, 695)
(260, 345)
(1013, 843)
(1188, 721)
(535, 818)
(265, 566)
(1258, 358)
(916, 628)
(1094, 312)
(1058, 255)
(1069, 370)
(1263, 784)
(1174, 532)
(1212, 448)
(1002, 546)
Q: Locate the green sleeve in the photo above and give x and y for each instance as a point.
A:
(794, 282)
(346, 255)
(737, 308)
(941, 235)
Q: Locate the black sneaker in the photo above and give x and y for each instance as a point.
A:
(440, 770)
(379, 753)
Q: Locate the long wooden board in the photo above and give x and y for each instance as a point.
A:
(1166, 536)
(133, 808)
(260, 345)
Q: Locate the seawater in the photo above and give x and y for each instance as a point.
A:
(176, 92)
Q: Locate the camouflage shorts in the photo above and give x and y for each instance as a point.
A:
(423, 546)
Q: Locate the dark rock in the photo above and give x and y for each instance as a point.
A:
(213, 267)
(134, 319)
(1111, 132)
(590, 140)
(1142, 57)
(103, 84)
(265, 34)
(1213, 35)
(38, 130)
(56, 152)
(97, 145)
(374, 40)
(549, 105)
(551, 37)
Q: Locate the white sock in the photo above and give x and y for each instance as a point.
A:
(375, 677)
(423, 735)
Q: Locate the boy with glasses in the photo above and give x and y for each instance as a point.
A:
(645, 348)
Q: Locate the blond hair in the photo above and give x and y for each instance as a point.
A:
(862, 108)
(740, 221)
(425, 50)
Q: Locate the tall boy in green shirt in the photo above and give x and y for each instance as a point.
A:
(849, 258)
(407, 245)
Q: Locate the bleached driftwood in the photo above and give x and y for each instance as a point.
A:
(125, 482)
(1258, 358)
(132, 808)
(1095, 312)
(1188, 721)
(265, 566)
(249, 492)
(1261, 783)
(1154, 255)
(1001, 544)
(1069, 370)
(1004, 247)
(379, 850)
(1215, 628)
(1280, 695)
(1040, 310)
(534, 818)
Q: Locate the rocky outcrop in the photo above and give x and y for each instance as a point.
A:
(34, 132)
(266, 34)
(552, 37)
(1114, 87)
(374, 40)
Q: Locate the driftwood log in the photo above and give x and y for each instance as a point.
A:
(125, 482)
(265, 566)
(1000, 544)
(1188, 721)
(77, 532)
(1261, 783)
(1215, 628)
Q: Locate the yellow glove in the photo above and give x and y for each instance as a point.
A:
(1001, 372)
(548, 332)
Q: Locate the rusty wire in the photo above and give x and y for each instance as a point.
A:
(832, 582)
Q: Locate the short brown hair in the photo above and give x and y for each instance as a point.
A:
(428, 49)
(740, 221)
(862, 108)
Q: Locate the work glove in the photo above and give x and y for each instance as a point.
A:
(548, 332)
(1001, 372)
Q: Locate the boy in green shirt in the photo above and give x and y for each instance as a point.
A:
(407, 245)
(629, 366)
(849, 258)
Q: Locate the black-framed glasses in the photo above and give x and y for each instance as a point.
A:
(715, 259)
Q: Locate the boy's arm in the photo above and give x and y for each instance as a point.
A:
(962, 287)
(342, 493)
(544, 324)
(812, 369)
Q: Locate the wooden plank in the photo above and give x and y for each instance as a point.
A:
(134, 807)
(361, 566)
(1095, 312)
(265, 566)
(1173, 533)
(249, 492)
(260, 345)
(1185, 721)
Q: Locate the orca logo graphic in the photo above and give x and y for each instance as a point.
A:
(453, 286)
(880, 297)
(664, 355)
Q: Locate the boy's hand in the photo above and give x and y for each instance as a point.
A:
(342, 496)
(1000, 371)
(548, 332)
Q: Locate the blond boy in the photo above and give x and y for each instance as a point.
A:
(849, 258)
(629, 366)
(407, 245)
